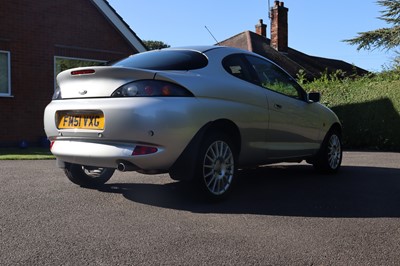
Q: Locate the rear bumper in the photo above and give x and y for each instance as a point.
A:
(167, 125)
(110, 155)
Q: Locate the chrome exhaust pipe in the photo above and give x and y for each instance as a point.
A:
(121, 167)
(124, 166)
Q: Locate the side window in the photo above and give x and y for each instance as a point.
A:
(5, 89)
(273, 78)
(236, 66)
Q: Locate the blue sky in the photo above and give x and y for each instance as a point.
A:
(315, 27)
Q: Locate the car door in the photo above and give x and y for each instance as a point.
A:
(253, 131)
(294, 127)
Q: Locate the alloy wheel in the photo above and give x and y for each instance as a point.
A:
(218, 167)
(334, 151)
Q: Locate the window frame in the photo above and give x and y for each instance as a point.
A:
(8, 93)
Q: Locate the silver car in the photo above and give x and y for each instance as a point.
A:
(198, 113)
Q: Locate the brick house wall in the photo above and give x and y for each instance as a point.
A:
(34, 32)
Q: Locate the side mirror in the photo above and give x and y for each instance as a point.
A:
(314, 97)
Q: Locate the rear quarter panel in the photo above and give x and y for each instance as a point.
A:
(222, 96)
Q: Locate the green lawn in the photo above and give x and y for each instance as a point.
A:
(25, 154)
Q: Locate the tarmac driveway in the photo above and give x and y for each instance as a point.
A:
(285, 214)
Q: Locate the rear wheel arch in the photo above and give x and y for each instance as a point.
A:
(183, 168)
(230, 129)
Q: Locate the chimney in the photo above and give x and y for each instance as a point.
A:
(261, 28)
(279, 27)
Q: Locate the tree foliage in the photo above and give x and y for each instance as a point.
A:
(68, 63)
(155, 45)
(384, 38)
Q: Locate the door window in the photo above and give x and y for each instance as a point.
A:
(273, 78)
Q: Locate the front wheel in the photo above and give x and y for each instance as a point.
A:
(329, 158)
(88, 176)
(216, 165)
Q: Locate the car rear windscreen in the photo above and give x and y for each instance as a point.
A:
(165, 60)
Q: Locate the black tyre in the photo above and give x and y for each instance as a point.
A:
(329, 158)
(215, 171)
(88, 176)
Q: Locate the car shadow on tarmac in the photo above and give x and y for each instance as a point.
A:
(285, 190)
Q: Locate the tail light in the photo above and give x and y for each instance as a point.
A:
(144, 150)
(51, 144)
(151, 88)
(82, 72)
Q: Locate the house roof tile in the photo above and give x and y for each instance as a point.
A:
(292, 61)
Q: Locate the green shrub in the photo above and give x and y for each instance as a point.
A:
(368, 107)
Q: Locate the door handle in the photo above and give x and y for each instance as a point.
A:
(277, 106)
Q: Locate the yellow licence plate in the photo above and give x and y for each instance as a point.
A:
(81, 121)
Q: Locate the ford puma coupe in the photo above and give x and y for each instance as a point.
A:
(198, 113)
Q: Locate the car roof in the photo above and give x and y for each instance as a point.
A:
(206, 48)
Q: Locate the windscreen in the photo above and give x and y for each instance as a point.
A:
(165, 60)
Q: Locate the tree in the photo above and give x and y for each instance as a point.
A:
(68, 63)
(155, 45)
(385, 38)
